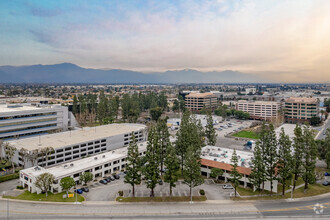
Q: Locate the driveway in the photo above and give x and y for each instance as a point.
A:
(9, 188)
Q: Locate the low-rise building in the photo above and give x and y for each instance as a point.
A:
(301, 109)
(76, 144)
(263, 110)
(99, 165)
(21, 120)
(197, 101)
(216, 157)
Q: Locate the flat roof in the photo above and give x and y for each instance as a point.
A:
(68, 138)
(80, 165)
(201, 95)
(258, 102)
(302, 100)
(9, 108)
(220, 157)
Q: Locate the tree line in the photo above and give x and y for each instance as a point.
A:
(284, 159)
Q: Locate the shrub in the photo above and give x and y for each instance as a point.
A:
(202, 192)
(19, 187)
(9, 177)
(121, 193)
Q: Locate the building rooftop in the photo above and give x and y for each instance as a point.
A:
(302, 100)
(201, 95)
(73, 137)
(9, 108)
(220, 157)
(258, 102)
(81, 165)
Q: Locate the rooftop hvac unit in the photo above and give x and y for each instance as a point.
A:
(65, 166)
(71, 165)
(103, 156)
(95, 158)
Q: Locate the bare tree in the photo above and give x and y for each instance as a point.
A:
(33, 156)
(24, 154)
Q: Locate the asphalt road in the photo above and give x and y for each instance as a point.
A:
(324, 128)
(204, 210)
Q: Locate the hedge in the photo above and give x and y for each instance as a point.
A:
(9, 177)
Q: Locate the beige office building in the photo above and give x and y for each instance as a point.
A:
(197, 101)
(300, 109)
(264, 110)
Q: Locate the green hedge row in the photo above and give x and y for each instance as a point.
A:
(9, 177)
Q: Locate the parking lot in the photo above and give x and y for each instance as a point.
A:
(108, 192)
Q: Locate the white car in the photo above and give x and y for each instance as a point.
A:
(228, 186)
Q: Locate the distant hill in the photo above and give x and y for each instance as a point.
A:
(71, 73)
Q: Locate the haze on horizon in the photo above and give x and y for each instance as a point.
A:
(279, 39)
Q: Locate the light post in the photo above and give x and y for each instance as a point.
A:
(76, 202)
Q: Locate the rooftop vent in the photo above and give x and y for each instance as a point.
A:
(95, 158)
(103, 156)
(71, 165)
(65, 166)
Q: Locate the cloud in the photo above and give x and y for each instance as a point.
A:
(290, 39)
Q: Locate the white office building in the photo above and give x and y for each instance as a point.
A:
(21, 120)
(76, 144)
(263, 110)
(100, 165)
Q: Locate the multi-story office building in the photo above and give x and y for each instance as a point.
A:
(299, 109)
(19, 120)
(99, 165)
(76, 144)
(264, 110)
(197, 101)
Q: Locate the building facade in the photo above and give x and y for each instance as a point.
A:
(197, 101)
(99, 165)
(21, 120)
(300, 110)
(74, 145)
(263, 110)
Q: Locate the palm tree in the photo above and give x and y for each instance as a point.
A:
(48, 152)
(24, 154)
(10, 152)
(33, 156)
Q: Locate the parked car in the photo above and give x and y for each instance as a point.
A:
(326, 174)
(160, 182)
(326, 183)
(116, 176)
(79, 191)
(219, 129)
(228, 186)
(85, 189)
(112, 178)
(108, 179)
(103, 182)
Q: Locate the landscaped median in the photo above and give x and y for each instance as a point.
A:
(161, 199)
(26, 195)
(246, 134)
(313, 190)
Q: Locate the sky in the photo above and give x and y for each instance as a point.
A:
(283, 40)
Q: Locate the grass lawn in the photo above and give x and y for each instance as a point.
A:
(26, 195)
(249, 192)
(246, 134)
(313, 190)
(161, 199)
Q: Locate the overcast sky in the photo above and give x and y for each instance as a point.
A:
(287, 40)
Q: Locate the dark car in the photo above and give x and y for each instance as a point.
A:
(79, 191)
(85, 189)
(103, 182)
(326, 183)
(116, 176)
(108, 179)
(160, 182)
(326, 174)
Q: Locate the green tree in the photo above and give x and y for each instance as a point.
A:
(164, 141)
(102, 108)
(44, 181)
(192, 170)
(216, 172)
(210, 132)
(133, 169)
(156, 113)
(75, 105)
(86, 177)
(262, 144)
(327, 147)
(182, 137)
(309, 157)
(171, 163)
(271, 156)
(151, 169)
(235, 176)
(298, 148)
(314, 121)
(67, 183)
(258, 171)
(284, 167)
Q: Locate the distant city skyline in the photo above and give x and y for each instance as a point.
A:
(277, 39)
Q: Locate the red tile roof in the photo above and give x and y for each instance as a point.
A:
(225, 166)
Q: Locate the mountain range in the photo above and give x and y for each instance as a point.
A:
(71, 73)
